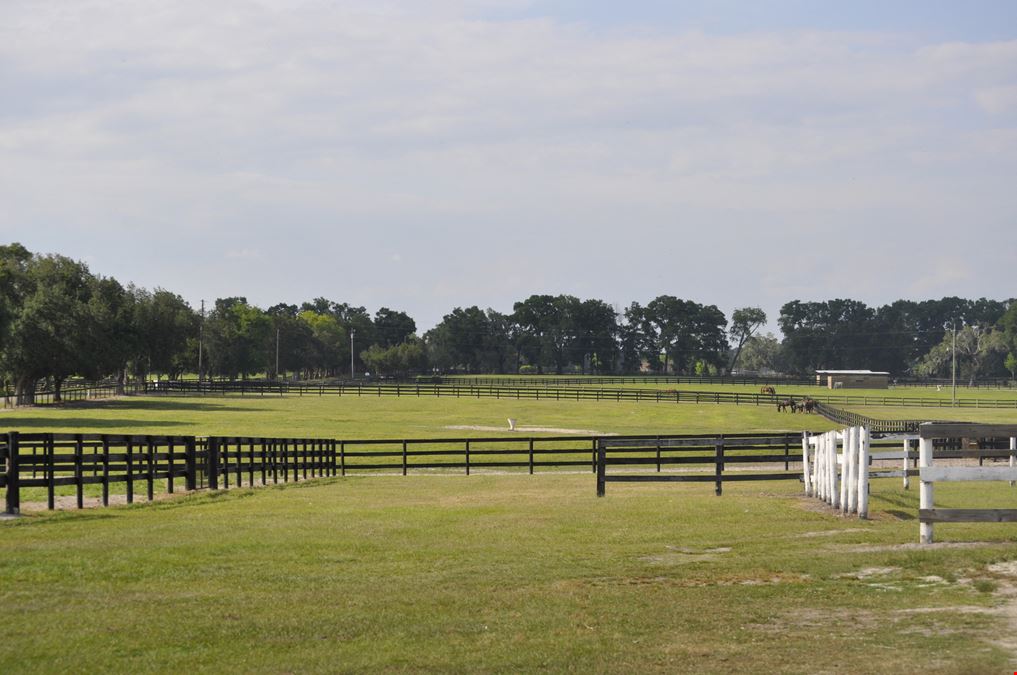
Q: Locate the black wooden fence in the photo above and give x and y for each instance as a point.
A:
(260, 388)
(875, 425)
(49, 463)
(564, 380)
(707, 458)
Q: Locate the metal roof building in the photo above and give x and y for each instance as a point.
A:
(853, 379)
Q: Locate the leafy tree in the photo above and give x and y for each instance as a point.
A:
(547, 329)
(459, 342)
(327, 343)
(744, 322)
(762, 354)
(683, 332)
(1010, 363)
(239, 338)
(392, 327)
(400, 360)
(113, 331)
(595, 347)
(976, 348)
(48, 329)
(831, 334)
(165, 328)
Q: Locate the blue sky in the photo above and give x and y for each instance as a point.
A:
(426, 156)
(925, 19)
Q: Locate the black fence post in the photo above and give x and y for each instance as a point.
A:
(50, 451)
(720, 467)
(601, 468)
(212, 466)
(190, 465)
(13, 498)
(79, 473)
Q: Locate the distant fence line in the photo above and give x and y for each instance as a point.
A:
(852, 419)
(547, 393)
(563, 380)
(467, 390)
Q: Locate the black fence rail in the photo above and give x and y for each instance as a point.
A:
(77, 392)
(50, 463)
(750, 457)
(255, 388)
(706, 459)
(875, 425)
(560, 380)
(984, 383)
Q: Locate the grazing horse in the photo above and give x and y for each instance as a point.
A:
(767, 390)
(809, 405)
(787, 404)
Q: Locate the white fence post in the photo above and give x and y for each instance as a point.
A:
(863, 472)
(925, 496)
(805, 464)
(824, 478)
(1013, 455)
(834, 474)
(848, 501)
(907, 449)
(845, 470)
(817, 473)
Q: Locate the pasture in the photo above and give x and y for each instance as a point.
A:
(389, 417)
(502, 573)
(495, 572)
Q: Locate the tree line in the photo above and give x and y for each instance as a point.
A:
(58, 320)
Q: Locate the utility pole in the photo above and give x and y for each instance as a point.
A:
(201, 340)
(352, 334)
(954, 325)
(277, 353)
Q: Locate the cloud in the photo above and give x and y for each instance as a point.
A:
(542, 149)
(1000, 100)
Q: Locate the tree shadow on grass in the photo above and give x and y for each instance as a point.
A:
(147, 404)
(78, 423)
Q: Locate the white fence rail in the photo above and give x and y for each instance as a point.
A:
(931, 474)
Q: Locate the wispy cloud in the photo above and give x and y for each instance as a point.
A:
(550, 149)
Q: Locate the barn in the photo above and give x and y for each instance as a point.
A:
(853, 379)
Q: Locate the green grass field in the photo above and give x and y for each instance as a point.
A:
(501, 573)
(388, 417)
(495, 573)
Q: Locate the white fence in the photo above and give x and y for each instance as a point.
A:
(841, 479)
(930, 474)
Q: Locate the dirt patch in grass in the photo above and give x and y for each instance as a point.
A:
(911, 546)
(534, 430)
(830, 533)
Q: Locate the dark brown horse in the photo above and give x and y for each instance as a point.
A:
(787, 404)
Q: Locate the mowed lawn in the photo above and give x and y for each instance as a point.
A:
(506, 574)
(352, 417)
(495, 573)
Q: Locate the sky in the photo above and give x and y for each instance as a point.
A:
(427, 156)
